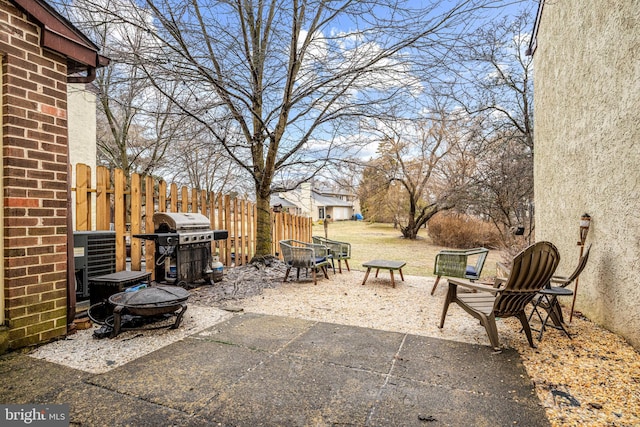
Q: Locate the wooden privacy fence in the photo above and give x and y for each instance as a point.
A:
(127, 204)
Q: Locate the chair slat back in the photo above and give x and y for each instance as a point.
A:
(531, 271)
(581, 265)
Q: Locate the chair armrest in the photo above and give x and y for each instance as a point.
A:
(502, 270)
(476, 251)
(320, 251)
(475, 286)
(339, 248)
(559, 279)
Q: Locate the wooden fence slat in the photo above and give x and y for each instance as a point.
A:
(149, 208)
(243, 235)
(136, 221)
(227, 226)
(120, 224)
(250, 231)
(184, 199)
(221, 244)
(174, 197)
(83, 197)
(103, 200)
(255, 228)
(162, 196)
(203, 203)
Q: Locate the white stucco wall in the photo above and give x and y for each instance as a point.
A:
(81, 115)
(587, 150)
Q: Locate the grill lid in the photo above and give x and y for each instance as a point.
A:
(180, 222)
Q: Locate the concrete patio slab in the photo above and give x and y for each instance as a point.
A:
(254, 370)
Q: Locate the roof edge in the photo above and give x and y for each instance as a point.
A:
(60, 35)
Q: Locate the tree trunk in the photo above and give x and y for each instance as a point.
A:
(263, 229)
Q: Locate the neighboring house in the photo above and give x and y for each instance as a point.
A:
(318, 204)
(41, 53)
(278, 204)
(587, 150)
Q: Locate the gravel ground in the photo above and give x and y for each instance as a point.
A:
(592, 379)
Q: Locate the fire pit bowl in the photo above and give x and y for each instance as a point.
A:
(152, 301)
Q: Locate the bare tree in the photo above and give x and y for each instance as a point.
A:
(136, 122)
(279, 83)
(197, 162)
(493, 83)
(428, 163)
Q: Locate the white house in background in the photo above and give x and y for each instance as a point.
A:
(81, 111)
(317, 203)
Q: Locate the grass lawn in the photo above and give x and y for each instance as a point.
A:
(382, 241)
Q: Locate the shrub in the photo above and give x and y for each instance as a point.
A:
(461, 231)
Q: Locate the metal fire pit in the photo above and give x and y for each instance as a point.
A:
(152, 301)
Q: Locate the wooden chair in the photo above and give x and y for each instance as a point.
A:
(340, 251)
(297, 254)
(455, 263)
(531, 271)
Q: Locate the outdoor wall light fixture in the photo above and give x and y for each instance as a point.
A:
(585, 222)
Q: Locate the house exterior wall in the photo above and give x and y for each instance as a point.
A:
(82, 134)
(34, 177)
(587, 151)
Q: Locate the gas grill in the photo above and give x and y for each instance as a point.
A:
(183, 247)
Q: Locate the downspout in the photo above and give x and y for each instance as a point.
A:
(71, 265)
(91, 76)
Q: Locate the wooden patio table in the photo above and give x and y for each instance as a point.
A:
(379, 264)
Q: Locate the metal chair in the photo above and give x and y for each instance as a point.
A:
(297, 254)
(455, 263)
(340, 251)
(531, 271)
(548, 297)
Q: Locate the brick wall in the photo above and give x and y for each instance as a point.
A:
(34, 142)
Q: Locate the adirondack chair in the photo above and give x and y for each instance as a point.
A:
(455, 263)
(297, 254)
(531, 270)
(340, 251)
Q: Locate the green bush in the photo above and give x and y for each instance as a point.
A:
(462, 231)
